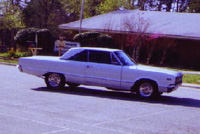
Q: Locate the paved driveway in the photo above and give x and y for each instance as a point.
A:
(28, 107)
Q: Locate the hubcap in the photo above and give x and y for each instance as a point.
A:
(145, 90)
(54, 80)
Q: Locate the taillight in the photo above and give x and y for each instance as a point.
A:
(20, 68)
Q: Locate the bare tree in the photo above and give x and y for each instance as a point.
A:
(108, 25)
(137, 26)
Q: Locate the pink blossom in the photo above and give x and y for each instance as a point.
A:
(155, 36)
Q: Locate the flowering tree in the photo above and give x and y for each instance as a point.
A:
(136, 36)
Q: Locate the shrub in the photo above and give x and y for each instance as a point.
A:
(45, 39)
(22, 54)
(94, 39)
(12, 54)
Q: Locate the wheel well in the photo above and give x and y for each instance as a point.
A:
(138, 82)
(45, 75)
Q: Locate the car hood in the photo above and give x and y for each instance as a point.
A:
(156, 70)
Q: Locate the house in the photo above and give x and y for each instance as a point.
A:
(182, 27)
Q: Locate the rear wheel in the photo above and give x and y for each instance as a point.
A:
(147, 89)
(55, 81)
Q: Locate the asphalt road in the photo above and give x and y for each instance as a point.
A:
(28, 107)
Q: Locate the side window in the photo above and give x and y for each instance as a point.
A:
(99, 57)
(82, 56)
(125, 59)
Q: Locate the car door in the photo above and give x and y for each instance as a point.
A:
(103, 69)
(75, 68)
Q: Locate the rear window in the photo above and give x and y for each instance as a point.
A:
(82, 56)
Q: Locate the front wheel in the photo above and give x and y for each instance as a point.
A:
(55, 81)
(147, 89)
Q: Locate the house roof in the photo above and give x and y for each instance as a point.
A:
(179, 25)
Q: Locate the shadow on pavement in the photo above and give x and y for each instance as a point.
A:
(119, 95)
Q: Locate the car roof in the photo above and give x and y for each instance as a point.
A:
(76, 50)
(97, 49)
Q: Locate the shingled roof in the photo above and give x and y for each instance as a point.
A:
(177, 25)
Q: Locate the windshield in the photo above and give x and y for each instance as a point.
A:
(124, 58)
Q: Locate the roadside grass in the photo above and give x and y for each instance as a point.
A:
(12, 57)
(9, 61)
(14, 54)
(4, 54)
(191, 78)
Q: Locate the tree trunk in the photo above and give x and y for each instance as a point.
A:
(160, 6)
(164, 55)
(46, 17)
(177, 4)
(136, 51)
(141, 4)
(169, 5)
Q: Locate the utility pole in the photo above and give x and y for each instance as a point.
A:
(81, 17)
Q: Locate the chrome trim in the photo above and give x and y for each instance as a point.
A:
(54, 80)
(146, 90)
(100, 78)
(179, 79)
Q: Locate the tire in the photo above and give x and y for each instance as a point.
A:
(55, 81)
(147, 89)
(72, 85)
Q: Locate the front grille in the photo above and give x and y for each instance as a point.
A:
(179, 79)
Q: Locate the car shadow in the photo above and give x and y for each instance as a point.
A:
(120, 95)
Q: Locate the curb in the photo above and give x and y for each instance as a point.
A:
(191, 72)
(190, 85)
(9, 64)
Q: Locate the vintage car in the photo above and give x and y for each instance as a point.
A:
(110, 68)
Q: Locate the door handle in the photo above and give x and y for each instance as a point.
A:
(89, 66)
